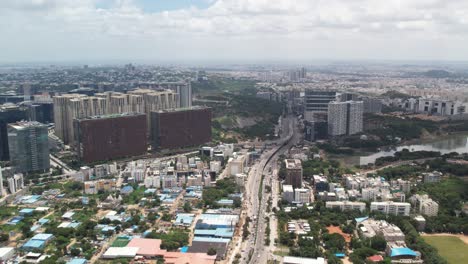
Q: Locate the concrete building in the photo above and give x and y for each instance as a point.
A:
(15, 183)
(345, 118)
(431, 177)
(369, 228)
(180, 128)
(316, 104)
(9, 113)
(288, 193)
(294, 172)
(391, 208)
(110, 137)
(441, 107)
(425, 205)
(372, 105)
(301, 195)
(2, 190)
(28, 144)
(104, 185)
(346, 205)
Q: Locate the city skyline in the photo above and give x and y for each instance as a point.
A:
(228, 30)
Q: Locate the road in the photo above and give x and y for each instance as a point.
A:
(256, 206)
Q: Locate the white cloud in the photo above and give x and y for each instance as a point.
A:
(236, 28)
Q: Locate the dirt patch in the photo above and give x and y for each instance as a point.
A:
(337, 230)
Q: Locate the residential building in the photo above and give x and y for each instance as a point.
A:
(15, 183)
(431, 177)
(425, 205)
(345, 118)
(372, 105)
(104, 185)
(346, 205)
(294, 172)
(392, 208)
(29, 147)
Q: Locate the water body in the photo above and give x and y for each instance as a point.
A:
(453, 143)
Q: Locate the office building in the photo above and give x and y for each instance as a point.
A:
(346, 205)
(15, 183)
(9, 113)
(288, 193)
(110, 137)
(345, 118)
(172, 129)
(314, 131)
(41, 112)
(29, 146)
(301, 195)
(391, 208)
(316, 104)
(294, 173)
(2, 190)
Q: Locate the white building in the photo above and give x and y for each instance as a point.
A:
(346, 205)
(425, 205)
(430, 177)
(16, 183)
(288, 193)
(153, 182)
(345, 118)
(390, 207)
(302, 195)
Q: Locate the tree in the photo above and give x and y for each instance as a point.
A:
(187, 207)
(211, 251)
(378, 243)
(4, 237)
(75, 251)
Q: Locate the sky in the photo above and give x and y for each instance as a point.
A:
(232, 30)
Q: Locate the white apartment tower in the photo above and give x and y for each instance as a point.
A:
(345, 118)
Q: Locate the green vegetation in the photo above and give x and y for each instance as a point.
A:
(403, 171)
(171, 241)
(223, 188)
(389, 127)
(450, 194)
(405, 154)
(453, 249)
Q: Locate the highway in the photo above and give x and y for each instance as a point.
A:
(256, 208)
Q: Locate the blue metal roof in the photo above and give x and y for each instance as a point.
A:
(340, 255)
(361, 219)
(34, 244)
(77, 261)
(42, 236)
(402, 252)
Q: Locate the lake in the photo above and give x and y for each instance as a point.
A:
(453, 143)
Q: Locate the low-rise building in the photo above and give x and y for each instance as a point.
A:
(346, 205)
(288, 193)
(391, 208)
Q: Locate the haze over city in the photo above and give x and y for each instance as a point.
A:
(232, 30)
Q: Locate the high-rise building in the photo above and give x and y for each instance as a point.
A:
(337, 118)
(180, 128)
(9, 113)
(29, 146)
(16, 183)
(316, 104)
(41, 112)
(110, 136)
(2, 190)
(372, 105)
(345, 118)
(288, 193)
(294, 173)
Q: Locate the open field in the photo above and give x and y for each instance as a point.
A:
(451, 248)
